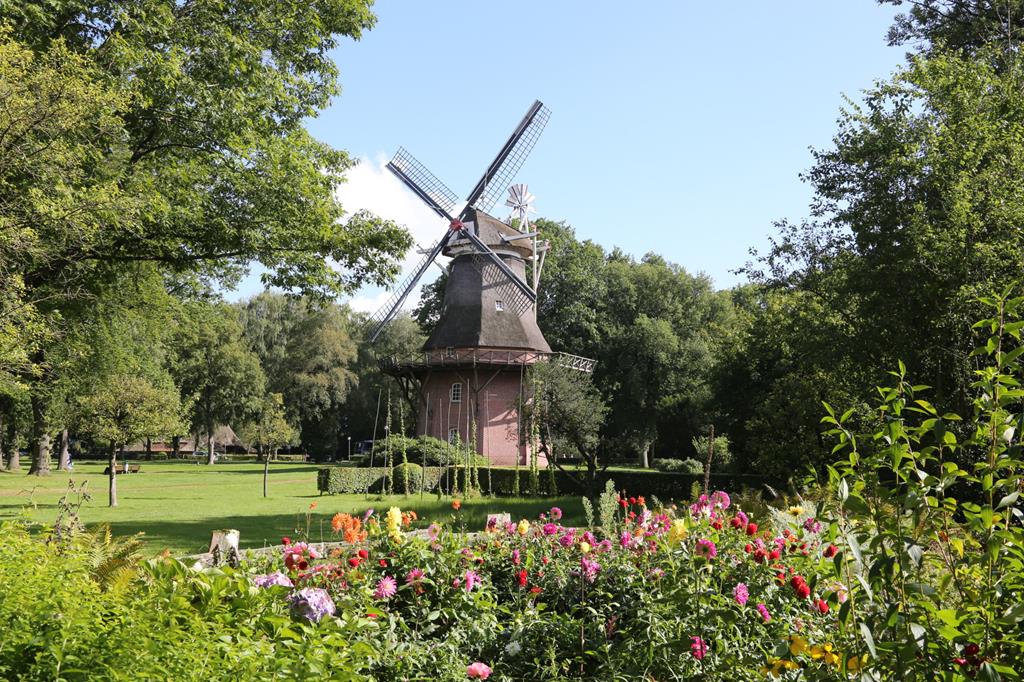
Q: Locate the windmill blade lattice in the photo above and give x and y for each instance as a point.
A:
(394, 303)
(510, 159)
(424, 183)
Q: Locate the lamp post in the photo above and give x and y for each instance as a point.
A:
(350, 448)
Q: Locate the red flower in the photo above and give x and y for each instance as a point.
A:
(456, 504)
(545, 561)
(735, 522)
(800, 587)
(363, 554)
(774, 554)
(632, 500)
(748, 548)
(971, 649)
(383, 563)
(830, 551)
(623, 503)
(751, 529)
(535, 590)
(354, 562)
(522, 577)
(822, 605)
(303, 564)
(716, 524)
(286, 541)
(641, 501)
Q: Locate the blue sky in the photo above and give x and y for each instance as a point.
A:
(677, 127)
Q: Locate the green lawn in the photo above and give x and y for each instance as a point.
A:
(177, 504)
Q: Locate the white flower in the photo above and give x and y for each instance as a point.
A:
(512, 648)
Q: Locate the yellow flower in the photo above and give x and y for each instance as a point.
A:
(797, 645)
(824, 652)
(777, 666)
(796, 510)
(394, 524)
(585, 547)
(678, 531)
(855, 663)
(524, 527)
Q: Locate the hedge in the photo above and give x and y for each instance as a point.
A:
(666, 485)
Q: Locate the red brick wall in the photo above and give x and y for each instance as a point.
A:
(489, 396)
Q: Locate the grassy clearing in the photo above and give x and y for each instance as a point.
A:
(176, 505)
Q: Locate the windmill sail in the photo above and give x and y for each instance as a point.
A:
(510, 159)
(425, 184)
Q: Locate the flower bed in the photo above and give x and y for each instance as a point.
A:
(669, 594)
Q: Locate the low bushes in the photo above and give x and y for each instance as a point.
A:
(336, 480)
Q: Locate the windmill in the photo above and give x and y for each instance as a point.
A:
(467, 382)
(462, 227)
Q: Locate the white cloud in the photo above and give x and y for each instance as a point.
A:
(373, 187)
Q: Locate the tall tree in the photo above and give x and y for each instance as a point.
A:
(179, 141)
(217, 371)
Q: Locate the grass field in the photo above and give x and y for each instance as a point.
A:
(177, 504)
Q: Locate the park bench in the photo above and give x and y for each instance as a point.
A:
(124, 469)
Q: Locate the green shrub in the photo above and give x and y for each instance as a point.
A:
(335, 480)
(413, 473)
(685, 466)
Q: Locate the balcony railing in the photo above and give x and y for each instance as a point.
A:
(473, 357)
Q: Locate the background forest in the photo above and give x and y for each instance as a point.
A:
(128, 205)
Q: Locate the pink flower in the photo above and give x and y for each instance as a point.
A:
(515, 557)
(763, 610)
(699, 648)
(706, 549)
(811, 525)
(386, 588)
(568, 539)
(720, 498)
(478, 671)
(413, 576)
(556, 513)
(472, 580)
(590, 569)
(741, 594)
(550, 529)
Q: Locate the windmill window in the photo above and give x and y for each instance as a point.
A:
(449, 352)
(499, 306)
(456, 393)
(453, 435)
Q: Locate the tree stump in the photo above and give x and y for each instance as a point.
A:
(224, 547)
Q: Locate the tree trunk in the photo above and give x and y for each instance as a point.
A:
(112, 476)
(176, 447)
(40, 444)
(65, 451)
(3, 457)
(14, 456)
(211, 455)
(266, 470)
(149, 449)
(644, 452)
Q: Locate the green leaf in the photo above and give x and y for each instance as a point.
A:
(1007, 500)
(869, 640)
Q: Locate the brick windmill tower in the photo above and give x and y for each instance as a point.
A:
(470, 371)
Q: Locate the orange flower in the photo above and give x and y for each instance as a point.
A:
(312, 505)
(349, 526)
(456, 504)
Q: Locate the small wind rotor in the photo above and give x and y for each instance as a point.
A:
(443, 201)
(521, 202)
